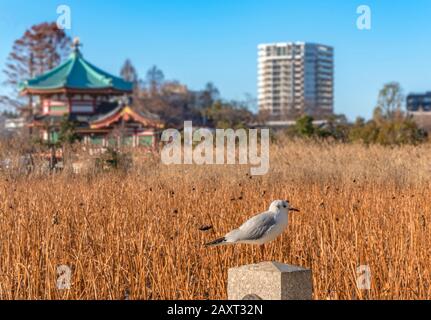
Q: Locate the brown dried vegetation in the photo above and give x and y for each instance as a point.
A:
(141, 232)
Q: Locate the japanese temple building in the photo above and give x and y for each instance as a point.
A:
(94, 100)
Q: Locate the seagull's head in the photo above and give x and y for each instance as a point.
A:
(281, 205)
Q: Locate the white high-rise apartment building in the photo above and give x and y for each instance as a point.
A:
(294, 79)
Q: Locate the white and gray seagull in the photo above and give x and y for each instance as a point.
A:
(261, 228)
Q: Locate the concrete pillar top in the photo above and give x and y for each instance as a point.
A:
(270, 281)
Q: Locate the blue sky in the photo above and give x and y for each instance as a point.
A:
(196, 41)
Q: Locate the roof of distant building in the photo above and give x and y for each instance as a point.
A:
(76, 75)
(108, 112)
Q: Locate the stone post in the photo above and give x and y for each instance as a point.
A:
(270, 281)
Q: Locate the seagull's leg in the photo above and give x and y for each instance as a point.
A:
(262, 252)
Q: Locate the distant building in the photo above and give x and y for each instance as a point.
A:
(11, 124)
(294, 79)
(284, 124)
(93, 100)
(174, 88)
(419, 107)
(176, 94)
(14, 124)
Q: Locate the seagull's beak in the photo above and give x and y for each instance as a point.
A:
(294, 209)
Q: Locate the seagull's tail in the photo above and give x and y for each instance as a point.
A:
(217, 242)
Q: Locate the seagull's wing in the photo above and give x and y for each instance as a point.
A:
(256, 227)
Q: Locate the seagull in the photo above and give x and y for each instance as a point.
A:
(261, 228)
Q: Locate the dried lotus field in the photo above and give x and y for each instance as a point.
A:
(140, 234)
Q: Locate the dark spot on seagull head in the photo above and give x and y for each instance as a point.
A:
(280, 205)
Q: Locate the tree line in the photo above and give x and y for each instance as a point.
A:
(174, 103)
(390, 124)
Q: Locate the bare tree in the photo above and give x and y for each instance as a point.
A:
(155, 79)
(40, 49)
(209, 95)
(129, 73)
(390, 101)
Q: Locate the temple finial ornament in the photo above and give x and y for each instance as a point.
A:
(76, 44)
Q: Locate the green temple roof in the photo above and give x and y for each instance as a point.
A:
(76, 74)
